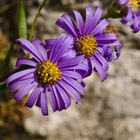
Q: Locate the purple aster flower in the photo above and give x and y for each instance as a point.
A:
(132, 14)
(47, 75)
(88, 38)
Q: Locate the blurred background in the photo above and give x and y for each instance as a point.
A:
(110, 110)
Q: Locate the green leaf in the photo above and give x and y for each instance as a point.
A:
(22, 25)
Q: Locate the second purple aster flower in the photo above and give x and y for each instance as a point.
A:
(89, 38)
(130, 9)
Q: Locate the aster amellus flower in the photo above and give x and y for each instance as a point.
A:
(88, 38)
(131, 12)
(47, 76)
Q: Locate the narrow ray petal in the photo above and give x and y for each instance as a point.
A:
(102, 61)
(100, 27)
(77, 86)
(43, 103)
(33, 97)
(71, 62)
(19, 74)
(65, 96)
(72, 74)
(21, 93)
(79, 20)
(59, 99)
(20, 84)
(89, 20)
(30, 48)
(71, 91)
(53, 102)
(40, 48)
(99, 68)
(25, 61)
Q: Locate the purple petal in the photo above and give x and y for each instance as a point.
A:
(89, 71)
(70, 24)
(49, 43)
(79, 20)
(99, 68)
(65, 27)
(64, 96)
(20, 83)
(109, 36)
(81, 66)
(116, 43)
(38, 102)
(136, 24)
(71, 91)
(43, 103)
(101, 50)
(102, 61)
(72, 62)
(72, 74)
(29, 76)
(96, 18)
(33, 97)
(89, 20)
(100, 27)
(127, 18)
(109, 43)
(122, 2)
(62, 49)
(25, 61)
(30, 48)
(53, 101)
(68, 55)
(57, 44)
(40, 48)
(109, 55)
(76, 85)
(20, 74)
(59, 48)
(22, 92)
(59, 99)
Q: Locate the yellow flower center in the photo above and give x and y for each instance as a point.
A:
(86, 45)
(48, 73)
(112, 29)
(134, 3)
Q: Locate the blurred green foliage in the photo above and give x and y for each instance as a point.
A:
(22, 25)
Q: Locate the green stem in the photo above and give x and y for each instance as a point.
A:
(3, 86)
(35, 19)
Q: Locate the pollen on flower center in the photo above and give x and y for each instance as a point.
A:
(112, 29)
(134, 3)
(48, 73)
(86, 45)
